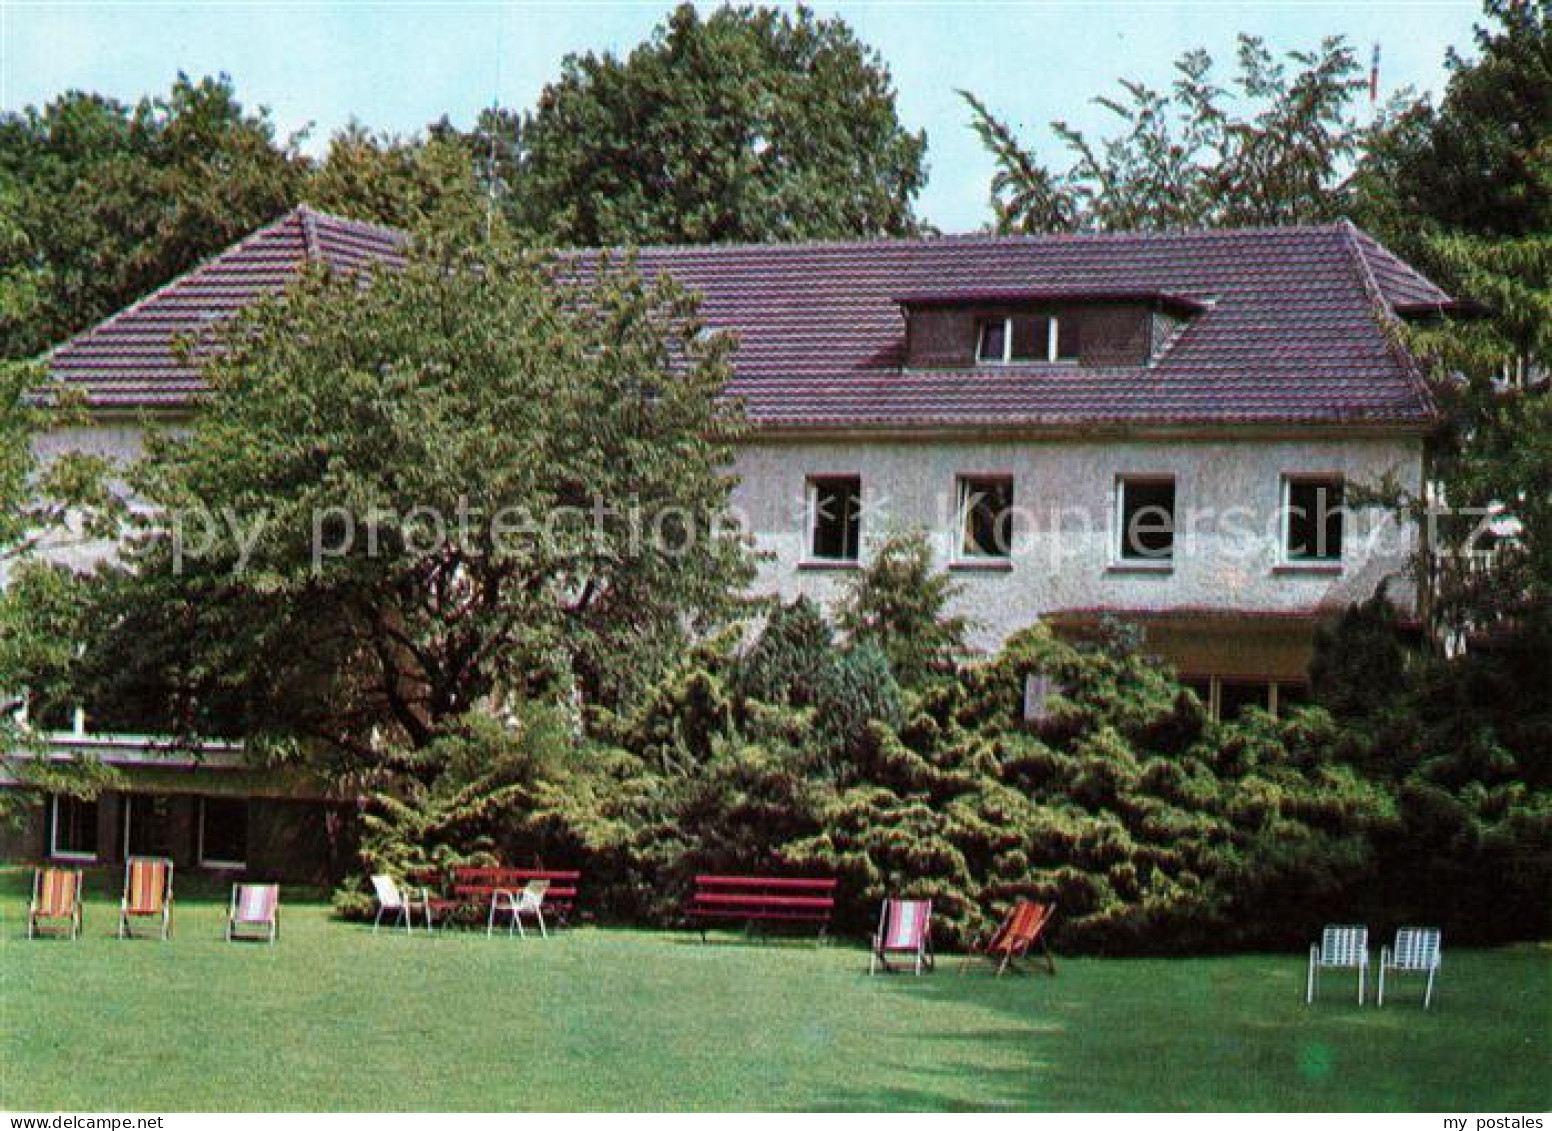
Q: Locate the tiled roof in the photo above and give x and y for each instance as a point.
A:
(1292, 325)
(136, 359)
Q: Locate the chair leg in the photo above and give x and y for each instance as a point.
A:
(539, 914)
(490, 923)
(378, 920)
(1379, 990)
(1428, 992)
(1309, 982)
(1362, 970)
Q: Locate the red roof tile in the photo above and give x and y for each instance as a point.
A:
(1291, 327)
(136, 358)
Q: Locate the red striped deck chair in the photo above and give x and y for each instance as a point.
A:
(255, 912)
(56, 901)
(904, 928)
(1019, 931)
(147, 893)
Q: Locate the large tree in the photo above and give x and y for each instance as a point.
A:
(1268, 148)
(478, 478)
(40, 501)
(1475, 162)
(748, 124)
(101, 201)
(1464, 189)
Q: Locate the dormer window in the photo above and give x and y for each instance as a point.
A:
(1024, 338)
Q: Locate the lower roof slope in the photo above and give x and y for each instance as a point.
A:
(1293, 325)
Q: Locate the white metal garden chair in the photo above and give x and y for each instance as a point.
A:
(399, 901)
(529, 901)
(1340, 948)
(1416, 951)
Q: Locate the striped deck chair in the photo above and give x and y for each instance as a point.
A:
(904, 927)
(56, 900)
(147, 893)
(1416, 952)
(255, 911)
(1020, 930)
(1340, 948)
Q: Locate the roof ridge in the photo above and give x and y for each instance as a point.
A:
(182, 277)
(310, 246)
(1385, 317)
(314, 214)
(964, 239)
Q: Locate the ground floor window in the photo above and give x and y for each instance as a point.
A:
(834, 518)
(72, 828)
(146, 825)
(223, 832)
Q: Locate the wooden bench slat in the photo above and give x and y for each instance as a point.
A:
(765, 882)
(731, 900)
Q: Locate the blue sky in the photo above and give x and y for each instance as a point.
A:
(397, 66)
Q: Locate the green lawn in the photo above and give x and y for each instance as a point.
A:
(333, 1018)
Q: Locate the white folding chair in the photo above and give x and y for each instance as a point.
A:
(1340, 948)
(1416, 951)
(401, 902)
(529, 901)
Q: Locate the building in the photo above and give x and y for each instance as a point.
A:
(1162, 426)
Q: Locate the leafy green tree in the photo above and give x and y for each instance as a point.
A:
(38, 609)
(899, 603)
(408, 183)
(100, 202)
(1465, 189)
(1475, 163)
(1193, 157)
(748, 124)
(477, 479)
(1494, 458)
(796, 663)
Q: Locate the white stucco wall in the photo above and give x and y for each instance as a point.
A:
(119, 442)
(1228, 500)
(1228, 552)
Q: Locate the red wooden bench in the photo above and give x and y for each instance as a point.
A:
(475, 886)
(760, 899)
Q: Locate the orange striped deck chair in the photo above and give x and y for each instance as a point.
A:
(255, 912)
(56, 901)
(147, 893)
(904, 928)
(1022, 927)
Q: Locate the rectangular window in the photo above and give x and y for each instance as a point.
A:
(147, 825)
(992, 340)
(834, 518)
(72, 828)
(1146, 508)
(1312, 519)
(223, 832)
(1024, 338)
(985, 516)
